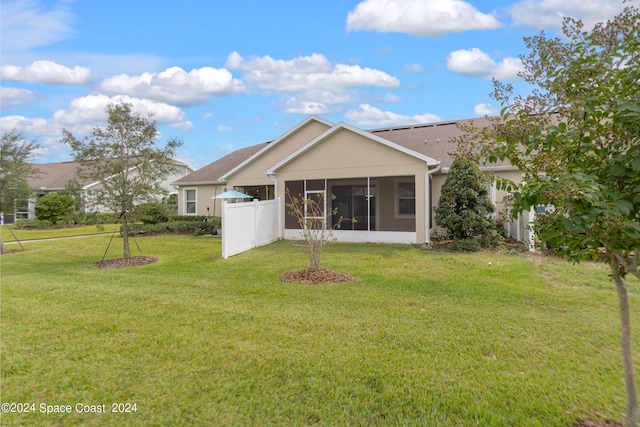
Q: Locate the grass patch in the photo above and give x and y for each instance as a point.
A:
(420, 338)
(10, 232)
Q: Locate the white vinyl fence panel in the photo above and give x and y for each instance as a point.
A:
(249, 225)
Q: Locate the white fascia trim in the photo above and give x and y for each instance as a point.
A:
(272, 170)
(275, 142)
(93, 184)
(187, 184)
(489, 169)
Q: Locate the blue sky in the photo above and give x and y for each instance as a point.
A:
(222, 75)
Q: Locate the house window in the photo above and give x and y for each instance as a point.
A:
(405, 199)
(190, 199)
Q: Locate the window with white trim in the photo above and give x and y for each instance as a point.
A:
(190, 202)
(405, 199)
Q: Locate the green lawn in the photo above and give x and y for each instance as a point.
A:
(421, 338)
(10, 233)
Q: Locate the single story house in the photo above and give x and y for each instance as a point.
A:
(384, 183)
(52, 177)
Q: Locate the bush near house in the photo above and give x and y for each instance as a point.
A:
(464, 209)
(54, 206)
(152, 213)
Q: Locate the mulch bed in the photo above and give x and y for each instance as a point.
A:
(595, 423)
(315, 277)
(10, 251)
(124, 262)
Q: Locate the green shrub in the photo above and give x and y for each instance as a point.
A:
(90, 218)
(465, 245)
(200, 218)
(464, 207)
(172, 227)
(33, 223)
(152, 213)
(53, 206)
(440, 234)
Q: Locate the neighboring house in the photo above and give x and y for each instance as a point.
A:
(384, 183)
(55, 176)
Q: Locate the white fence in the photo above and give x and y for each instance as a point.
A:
(249, 225)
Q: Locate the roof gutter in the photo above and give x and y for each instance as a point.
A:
(427, 194)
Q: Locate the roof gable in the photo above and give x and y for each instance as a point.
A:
(275, 143)
(344, 126)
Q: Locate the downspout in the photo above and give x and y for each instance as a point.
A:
(427, 179)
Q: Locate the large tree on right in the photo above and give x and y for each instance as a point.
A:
(576, 138)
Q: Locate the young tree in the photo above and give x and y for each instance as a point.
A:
(313, 218)
(125, 159)
(16, 153)
(464, 207)
(577, 140)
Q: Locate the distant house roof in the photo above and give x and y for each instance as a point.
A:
(55, 176)
(433, 140)
(211, 173)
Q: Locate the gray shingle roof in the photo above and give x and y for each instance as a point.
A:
(54, 176)
(435, 140)
(212, 172)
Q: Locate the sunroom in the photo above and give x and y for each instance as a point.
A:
(367, 209)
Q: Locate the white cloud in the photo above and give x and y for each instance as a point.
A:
(12, 97)
(419, 17)
(224, 128)
(303, 73)
(413, 68)
(306, 107)
(315, 63)
(174, 85)
(46, 72)
(483, 109)
(316, 102)
(83, 114)
(543, 14)
(475, 62)
(87, 112)
(26, 24)
(27, 126)
(367, 115)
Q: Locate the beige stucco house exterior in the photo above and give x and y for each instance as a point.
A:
(384, 184)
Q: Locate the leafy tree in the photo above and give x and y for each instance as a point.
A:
(53, 206)
(576, 138)
(124, 158)
(464, 207)
(16, 152)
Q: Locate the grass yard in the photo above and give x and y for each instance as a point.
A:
(10, 233)
(421, 338)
